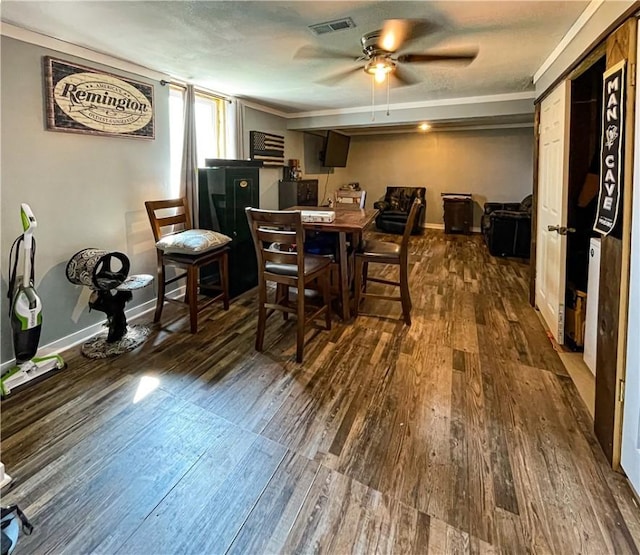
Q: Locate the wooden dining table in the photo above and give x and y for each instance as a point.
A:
(350, 220)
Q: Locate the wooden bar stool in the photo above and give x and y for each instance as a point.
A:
(189, 249)
(279, 238)
(384, 252)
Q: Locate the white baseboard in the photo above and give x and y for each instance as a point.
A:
(85, 334)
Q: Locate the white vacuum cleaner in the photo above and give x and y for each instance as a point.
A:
(25, 313)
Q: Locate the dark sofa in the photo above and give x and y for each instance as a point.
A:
(394, 209)
(507, 227)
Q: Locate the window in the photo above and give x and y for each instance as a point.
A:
(176, 136)
(210, 126)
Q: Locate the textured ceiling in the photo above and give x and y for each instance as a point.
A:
(247, 48)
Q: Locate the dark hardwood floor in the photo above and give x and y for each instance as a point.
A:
(462, 433)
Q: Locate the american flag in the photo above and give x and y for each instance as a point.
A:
(267, 147)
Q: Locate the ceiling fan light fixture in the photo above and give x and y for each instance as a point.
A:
(380, 67)
(381, 74)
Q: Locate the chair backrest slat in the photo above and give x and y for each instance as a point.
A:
(276, 217)
(157, 219)
(276, 236)
(273, 232)
(280, 257)
(171, 220)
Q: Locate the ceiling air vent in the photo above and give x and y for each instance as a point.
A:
(331, 26)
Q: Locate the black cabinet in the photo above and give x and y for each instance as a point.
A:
(303, 192)
(223, 194)
(458, 212)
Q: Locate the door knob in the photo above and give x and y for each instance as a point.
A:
(561, 230)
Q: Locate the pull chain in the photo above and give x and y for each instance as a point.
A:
(373, 100)
(388, 79)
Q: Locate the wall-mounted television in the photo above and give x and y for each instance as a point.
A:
(336, 150)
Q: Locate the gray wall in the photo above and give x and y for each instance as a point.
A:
(494, 165)
(256, 120)
(85, 191)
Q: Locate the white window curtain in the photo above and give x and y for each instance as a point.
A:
(189, 173)
(235, 130)
(176, 138)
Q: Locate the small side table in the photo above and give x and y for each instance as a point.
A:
(122, 337)
(458, 212)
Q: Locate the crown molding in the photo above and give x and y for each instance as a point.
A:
(506, 97)
(265, 109)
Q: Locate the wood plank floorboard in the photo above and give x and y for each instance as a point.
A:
(215, 496)
(460, 434)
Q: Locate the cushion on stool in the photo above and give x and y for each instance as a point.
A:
(192, 241)
(311, 264)
(379, 248)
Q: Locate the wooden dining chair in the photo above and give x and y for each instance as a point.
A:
(342, 197)
(179, 245)
(384, 252)
(278, 237)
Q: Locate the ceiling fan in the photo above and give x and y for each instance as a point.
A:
(380, 51)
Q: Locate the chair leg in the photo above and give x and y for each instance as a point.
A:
(405, 296)
(358, 283)
(326, 298)
(186, 292)
(192, 294)
(262, 316)
(300, 324)
(285, 302)
(365, 275)
(224, 279)
(351, 262)
(161, 287)
(282, 298)
(408, 291)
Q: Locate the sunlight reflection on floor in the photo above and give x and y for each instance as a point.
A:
(147, 385)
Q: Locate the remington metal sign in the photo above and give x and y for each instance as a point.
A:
(611, 158)
(85, 100)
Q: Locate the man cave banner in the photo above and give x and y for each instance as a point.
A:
(85, 100)
(611, 158)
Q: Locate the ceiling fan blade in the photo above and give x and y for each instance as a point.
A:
(337, 77)
(394, 32)
(404, 78)
(397, 32)
(467, 57)
(310, 52)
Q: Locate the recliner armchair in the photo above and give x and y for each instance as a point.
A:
(507, 227)
(395, 208)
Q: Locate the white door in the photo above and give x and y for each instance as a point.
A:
(630, 456)
(553, 169)
(591, 316)
(631, 420)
